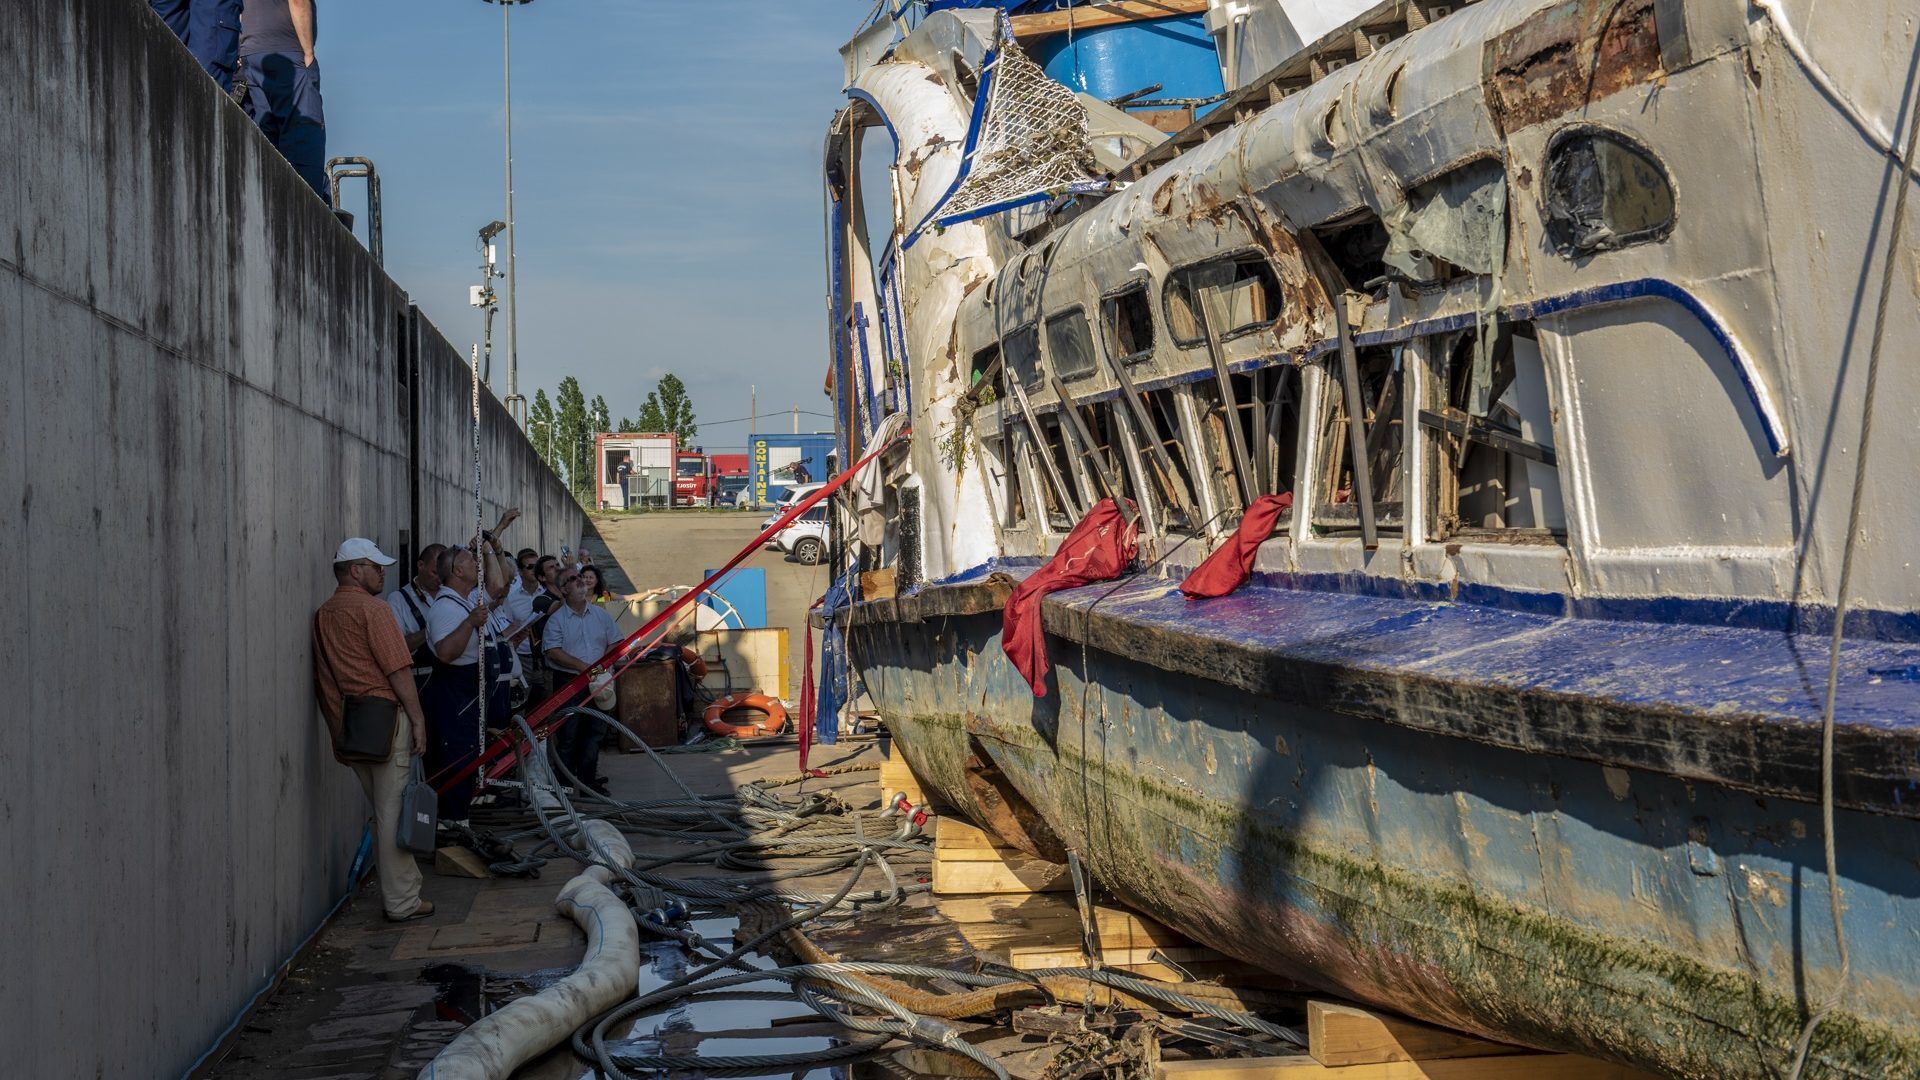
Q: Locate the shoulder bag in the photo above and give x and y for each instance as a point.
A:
(366, 722)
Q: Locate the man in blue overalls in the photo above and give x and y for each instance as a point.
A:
(283, 84)
(210, 29)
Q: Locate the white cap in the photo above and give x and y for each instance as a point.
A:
(354, 548)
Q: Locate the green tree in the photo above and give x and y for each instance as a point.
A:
(668, 408)
(572, 442)
(540, 430)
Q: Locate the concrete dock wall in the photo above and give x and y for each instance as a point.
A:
(204, 386)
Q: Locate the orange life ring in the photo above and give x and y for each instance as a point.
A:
(696, 666)
(775, 715)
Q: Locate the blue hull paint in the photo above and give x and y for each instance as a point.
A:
(1667, 924)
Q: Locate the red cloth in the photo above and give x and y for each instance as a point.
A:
(1098, 549)
(1228, 568)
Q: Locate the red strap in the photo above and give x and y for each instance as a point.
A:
(1100, 548)
(807, 703)
(501, 754)
(1229, 567)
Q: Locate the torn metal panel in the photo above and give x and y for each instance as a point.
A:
(1459, 219)
(1569, 56)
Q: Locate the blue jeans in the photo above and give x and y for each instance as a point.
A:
(283, 97)
(210, 29)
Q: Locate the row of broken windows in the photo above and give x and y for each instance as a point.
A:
(1193, 457)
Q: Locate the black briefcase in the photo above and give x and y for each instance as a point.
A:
(366, 730)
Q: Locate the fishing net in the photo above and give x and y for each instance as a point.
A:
(1032, 142)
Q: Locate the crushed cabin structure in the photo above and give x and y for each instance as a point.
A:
(1554, 317)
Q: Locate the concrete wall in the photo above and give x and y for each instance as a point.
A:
(198, 399)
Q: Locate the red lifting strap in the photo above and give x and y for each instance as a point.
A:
(1100, 548)
(1228, 568)
(501, 754)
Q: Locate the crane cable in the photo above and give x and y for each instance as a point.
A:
(1804, 1047)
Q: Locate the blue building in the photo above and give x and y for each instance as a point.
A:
(779, 461)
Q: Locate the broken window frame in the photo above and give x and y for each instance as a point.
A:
(1182, 282)
(1559, 222)
(1377, 382)
(1110, 321)
(1029, 377)
(1071, 319)
(1452, 436)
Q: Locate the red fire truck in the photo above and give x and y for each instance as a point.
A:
(692, 478)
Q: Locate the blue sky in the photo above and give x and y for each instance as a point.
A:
(666, 176)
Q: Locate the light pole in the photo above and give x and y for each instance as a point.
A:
(531, 424)
(516, 405)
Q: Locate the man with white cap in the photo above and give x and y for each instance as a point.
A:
(361, 664)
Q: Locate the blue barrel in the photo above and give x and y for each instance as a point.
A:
(1108, 61)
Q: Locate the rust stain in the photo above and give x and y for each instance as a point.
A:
(1163, 195)
(1569, 56)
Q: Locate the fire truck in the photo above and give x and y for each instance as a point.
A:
(692, 478)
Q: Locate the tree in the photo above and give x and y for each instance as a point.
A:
(668, 408)
(540, 430)
(571, 440)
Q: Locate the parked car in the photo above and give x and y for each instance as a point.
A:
(794, 494)
(806, 538)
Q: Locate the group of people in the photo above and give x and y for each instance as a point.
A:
(265, 48)
(438, 645)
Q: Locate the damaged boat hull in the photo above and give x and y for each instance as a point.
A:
(1560, 903)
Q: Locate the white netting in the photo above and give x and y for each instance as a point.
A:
(1032, 143)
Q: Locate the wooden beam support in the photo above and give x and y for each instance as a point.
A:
(1349, 1035)
(1086, 18)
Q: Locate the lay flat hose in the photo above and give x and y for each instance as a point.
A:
(778, 841)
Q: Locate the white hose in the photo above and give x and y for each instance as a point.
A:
(495, 1046)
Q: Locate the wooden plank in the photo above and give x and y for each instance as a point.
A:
(895, 775)
(1113, 14)
(459, 862)
(1031, 875)
(878, 584)
(1349, 1035)
(1035, 957)
(953, 834)
(1501, 1067)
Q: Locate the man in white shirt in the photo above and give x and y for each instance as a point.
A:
(519, 610)
(576, 637)
(458, 636)
(410, 603)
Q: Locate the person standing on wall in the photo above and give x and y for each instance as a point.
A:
(283, 84)
(457, 631)
(410, 603)
(210, 29)
(360, 663)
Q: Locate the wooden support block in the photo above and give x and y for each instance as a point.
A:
(1528, 1066)
(459, 862)
(896, 775)
(1349, 1035)
(952, 834)
(878, 584)
(1058, 955)
(1023, 876)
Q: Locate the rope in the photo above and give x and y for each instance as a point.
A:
(480, 564)
(1804, 1048)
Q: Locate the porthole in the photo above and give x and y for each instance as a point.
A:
(1603, 192)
